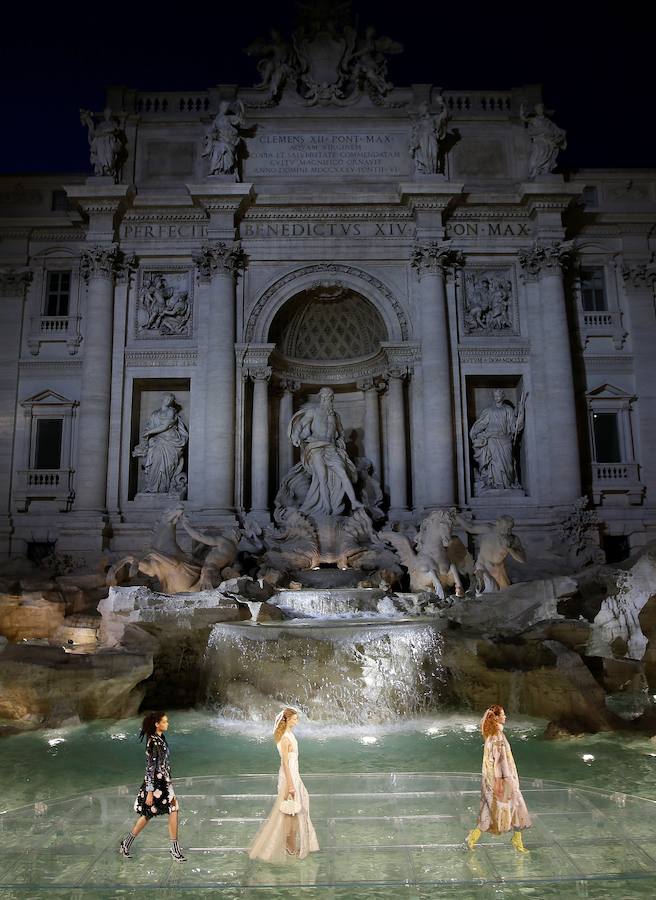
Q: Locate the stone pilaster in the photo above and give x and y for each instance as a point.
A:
(218, 265)
(639, 286)
(99, 266)
(432, 260)
(544, 263)
(370, 388)
(260, 440)
(288, 388)
(13, 287)
(396, 441)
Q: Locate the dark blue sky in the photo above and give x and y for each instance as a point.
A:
(597, 69)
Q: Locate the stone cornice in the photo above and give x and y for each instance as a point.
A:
(328, 213)
(436, 257)
(14, 282)
(493, 354)
(45, 366)
(219, 258)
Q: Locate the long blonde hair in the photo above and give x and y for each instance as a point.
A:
(490, 721)
(281, 722)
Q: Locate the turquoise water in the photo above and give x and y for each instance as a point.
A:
(59, 763)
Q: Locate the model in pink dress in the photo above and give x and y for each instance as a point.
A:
(284, 837)
(502, 806)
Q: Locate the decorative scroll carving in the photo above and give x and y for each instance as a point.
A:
(15, 282)
(165, 304)
(101, 262)
(220, 258)
(545, 258)
(436, 257)
(639, 276)
(489, 303)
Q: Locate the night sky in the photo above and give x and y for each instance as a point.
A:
(597, 68)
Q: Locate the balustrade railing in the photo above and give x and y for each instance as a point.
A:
(44, 484)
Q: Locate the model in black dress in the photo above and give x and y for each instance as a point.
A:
(156, 795)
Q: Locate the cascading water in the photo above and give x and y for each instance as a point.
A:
(357, 671)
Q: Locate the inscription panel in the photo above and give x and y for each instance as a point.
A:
(298, 154)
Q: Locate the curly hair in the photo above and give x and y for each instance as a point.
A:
(490, 720)
(149, 724)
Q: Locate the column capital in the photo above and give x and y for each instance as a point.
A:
(219, 258)
(638, 275)
(289, 385)
(259, 373)
(15, 282)
(545, 259)
(436, 257)
(102, 261)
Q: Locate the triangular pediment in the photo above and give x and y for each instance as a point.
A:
(48, 398)
(609, 392)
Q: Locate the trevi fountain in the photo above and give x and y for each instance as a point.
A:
(300, 422)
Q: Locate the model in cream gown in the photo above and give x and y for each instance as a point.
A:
(283, 837)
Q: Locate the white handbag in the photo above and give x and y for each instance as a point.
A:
(290, 806)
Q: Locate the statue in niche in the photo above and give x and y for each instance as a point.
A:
(547, 140)
(277, 65)
(428, 133)
(165, 311)
(106, 141)
(223, 139)
(488, 303)
(497, 542)
(368, 62)
(494, 436)
(162, 447)
(317, 430)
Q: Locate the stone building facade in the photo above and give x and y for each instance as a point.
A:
(404, 246)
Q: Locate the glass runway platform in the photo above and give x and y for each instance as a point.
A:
(381, 835)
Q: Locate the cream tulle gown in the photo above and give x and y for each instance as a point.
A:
(280, 830)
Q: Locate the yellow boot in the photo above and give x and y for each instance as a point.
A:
(517, 842)
(473, 838)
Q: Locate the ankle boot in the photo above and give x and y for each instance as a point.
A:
(517, 842)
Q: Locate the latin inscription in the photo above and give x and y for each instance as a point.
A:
(488, 229)
(301, 154)
(155, 231)
(326, 229)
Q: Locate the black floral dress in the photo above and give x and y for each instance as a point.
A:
(157, 780)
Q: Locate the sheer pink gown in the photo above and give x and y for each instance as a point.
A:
(501, 815)
(281, 831)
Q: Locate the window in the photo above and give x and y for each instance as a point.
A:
(48, 446)
(593, 291)
(60, 202)
(58, 293)
(589, 195)
(606, 437)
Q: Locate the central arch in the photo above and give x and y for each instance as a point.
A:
(326, 275)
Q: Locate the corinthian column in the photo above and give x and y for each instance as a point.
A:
(13, 285)
(396, 444)
(639, 284)
(218, 265)
(99, 265)
(544, 263)
(371, 423)
(285, 411)
(431, 260)
(260, 440)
